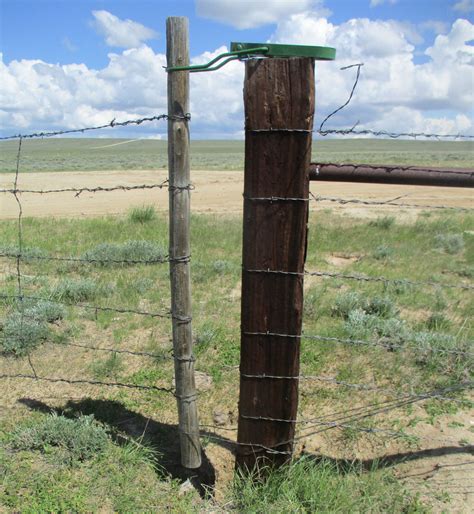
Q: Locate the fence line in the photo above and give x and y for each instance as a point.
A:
(345, 420)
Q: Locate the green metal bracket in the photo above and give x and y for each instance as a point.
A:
(248, 50)
(320, 53)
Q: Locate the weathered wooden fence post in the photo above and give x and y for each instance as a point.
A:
(177, 39)
(279, 108)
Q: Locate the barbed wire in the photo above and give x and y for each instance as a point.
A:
(111, 124)
(385, 280)
(385, 133)
(99, 189)
(343, 201)
(383, 343)
(157, 260)
(81, 305)
(74, 381)
(363, 278)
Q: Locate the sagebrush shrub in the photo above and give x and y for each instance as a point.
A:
(76, 439)
(106, 254)
(449, 243)
(22, 333)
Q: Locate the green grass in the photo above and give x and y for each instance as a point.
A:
(88, 154)
(124, 477)
(309, 485)
(142, 214)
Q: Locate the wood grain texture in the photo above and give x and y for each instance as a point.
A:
(278, 94)
(177, 39)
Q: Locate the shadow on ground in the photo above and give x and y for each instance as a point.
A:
(125, 423)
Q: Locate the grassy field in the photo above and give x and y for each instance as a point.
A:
(74, 154)
(125, 459)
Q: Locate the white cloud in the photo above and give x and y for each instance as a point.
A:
(391, 83)
(246, 14)
(464, 6)
(394, 93)
(121, 33)
(375, 3)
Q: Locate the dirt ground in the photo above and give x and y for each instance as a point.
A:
(215, 191)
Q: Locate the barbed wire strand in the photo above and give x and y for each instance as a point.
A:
(74, 381)
(111, 124)
(158, 260)
(363, 278)
(98, 189)
(344, 201)
(102, 308)
(388, 344)
(367, 387)
(378, 133)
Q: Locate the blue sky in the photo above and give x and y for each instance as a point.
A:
(61, 31)
(417, 36)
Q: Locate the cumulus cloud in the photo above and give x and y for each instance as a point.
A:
(464, 6)
(121, 33)
(394, 92)
(247, 14)
(391, 83)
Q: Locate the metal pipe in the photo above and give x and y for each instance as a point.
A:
(385, 174)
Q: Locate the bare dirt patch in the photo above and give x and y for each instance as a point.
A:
(215, 192)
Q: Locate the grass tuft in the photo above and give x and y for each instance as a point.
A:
(384, 222)
(70, 290)
(143, 214)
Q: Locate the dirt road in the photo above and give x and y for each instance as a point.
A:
(215, 191)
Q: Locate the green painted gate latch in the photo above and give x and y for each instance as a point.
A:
(248, 50)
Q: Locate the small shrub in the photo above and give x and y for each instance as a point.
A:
(22, 333)
(27, 252)
(348, 302)
(449, 243)
(142, 214)
(76, 439)
(221, 267)
(107, 254)
(432, 350)
(382, 252)
(75, 290)
(360, 325)
(381, 306)
(142, 285)
(384, 222)
(46, 311)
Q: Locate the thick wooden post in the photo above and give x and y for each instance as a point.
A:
(177, 39)
(279, 108)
